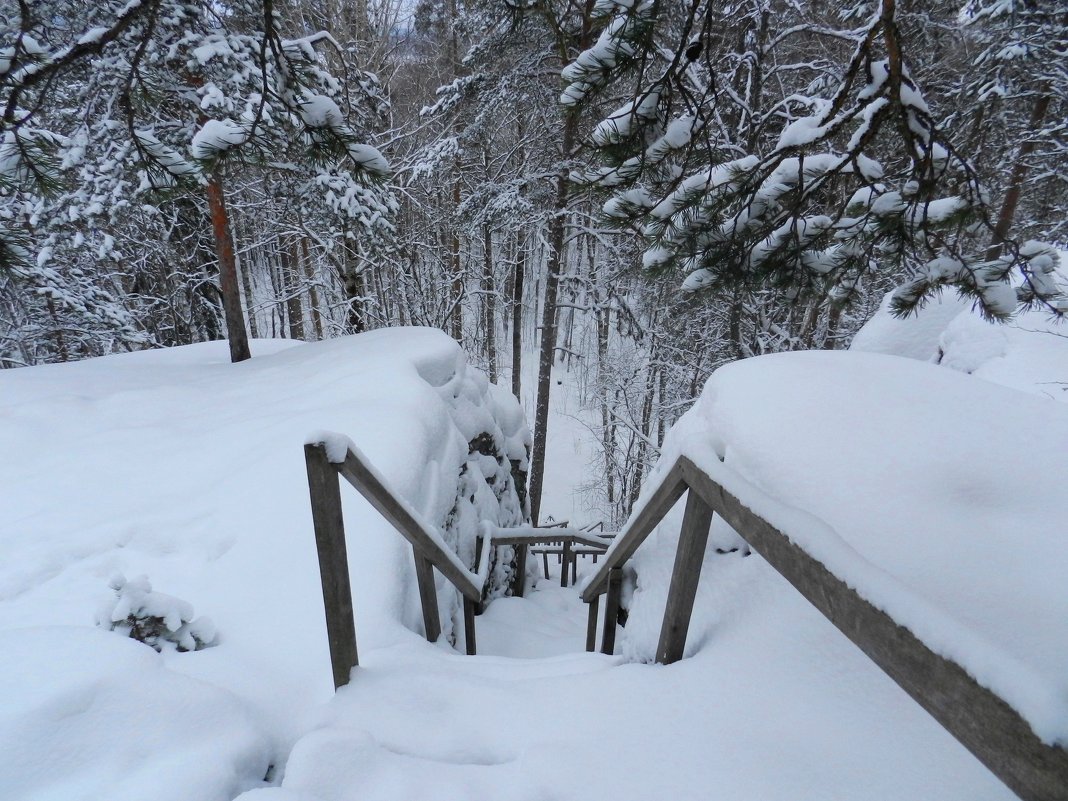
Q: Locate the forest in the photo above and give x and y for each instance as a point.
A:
(641, 190)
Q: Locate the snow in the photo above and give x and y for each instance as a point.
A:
(88, 714)
(214, 46)
(954, 529)
(92, 36)
(679, 132)
(178, 466)
(915, 337)
(802, 132)
(215, 137)
(618, 125)
(321, 111)
(1029, 353)
(167, 157)
(368, 158)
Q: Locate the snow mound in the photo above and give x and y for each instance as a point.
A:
(177, 465)
(90, 715)
(1028, 353)
(939, 496)
(915, 337)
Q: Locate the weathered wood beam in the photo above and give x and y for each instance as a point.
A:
(641, 526)
(469, 626)
(689, 557)
(428, 595)
(370, 487)
(329, 524)
(591, 624)
(565, 565)
(611, 610)
(980, 720)
(519, 581)
(506, 536)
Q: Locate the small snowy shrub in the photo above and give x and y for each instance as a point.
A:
(154, 618)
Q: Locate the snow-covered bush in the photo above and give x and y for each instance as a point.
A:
(154, 618)
(491, 484)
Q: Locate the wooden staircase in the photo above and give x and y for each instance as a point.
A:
(976, 716)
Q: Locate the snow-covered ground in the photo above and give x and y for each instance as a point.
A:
(938, 496)
(1030, 353)
(176, 465)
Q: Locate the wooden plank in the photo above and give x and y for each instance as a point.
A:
(684, 578)
(591, 540)
(367, 484)
(428, 595)
(519, 581)
(565, 564)
(611, 610)
(591, 624)
(981, 721)
(469, 626)
(480, 604)
(509, 536)
(525, 539)
(329, 524)
(584, 551)
(638, 528)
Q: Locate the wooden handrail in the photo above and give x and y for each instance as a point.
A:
(532, 535)
(640, 526)
(429, 550)
(977, 717)
(358, 472)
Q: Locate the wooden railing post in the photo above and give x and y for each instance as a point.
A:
(591, 624)
(689, 557)
(565, 562)
(469, 625)
(520, 579)
(611, 610)
(325, 492)
(428, 595)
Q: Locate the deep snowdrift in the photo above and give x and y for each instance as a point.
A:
(939, 496)
(179, 466)
(1029, 353)
(176, 465)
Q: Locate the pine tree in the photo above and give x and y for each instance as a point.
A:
(167, 98)
(839, 171)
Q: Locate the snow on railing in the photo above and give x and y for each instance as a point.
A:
(813, 560)
(330, 456)
(522, 537)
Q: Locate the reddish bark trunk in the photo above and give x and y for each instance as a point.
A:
(228, 283)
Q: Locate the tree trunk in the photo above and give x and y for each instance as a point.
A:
(489, 286)
(228, 281)
(1019, 175)
(244, 271)
(735, 325)
(548, 321)
(608, 432)
(517, 313)
(291, 286)
(456, 315)
(353, 280)
(313, 291)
